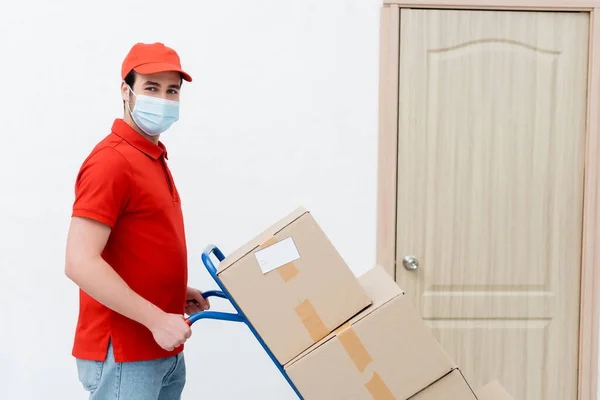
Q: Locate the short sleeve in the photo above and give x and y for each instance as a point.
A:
(103, 187)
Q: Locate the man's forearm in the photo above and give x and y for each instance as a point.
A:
(100, 281)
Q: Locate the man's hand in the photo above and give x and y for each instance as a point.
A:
(170, 331)
(195, 302)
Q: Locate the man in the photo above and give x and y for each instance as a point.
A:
(126, 246)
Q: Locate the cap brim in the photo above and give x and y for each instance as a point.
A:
(153, 68)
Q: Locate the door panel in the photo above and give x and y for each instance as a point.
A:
(492, 110)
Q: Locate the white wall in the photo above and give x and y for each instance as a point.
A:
(282, 112)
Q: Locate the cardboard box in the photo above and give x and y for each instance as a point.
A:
(384, 352)
(493, 391)
(293, 285)
(452, 386)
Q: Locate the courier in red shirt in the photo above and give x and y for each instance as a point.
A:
(126, 248)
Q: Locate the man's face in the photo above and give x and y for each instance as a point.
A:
(166, 85)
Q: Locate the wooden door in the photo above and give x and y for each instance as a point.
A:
(491, 128)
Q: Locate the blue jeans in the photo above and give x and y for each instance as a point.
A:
(161, 379)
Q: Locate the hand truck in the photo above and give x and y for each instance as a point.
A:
(239, 316)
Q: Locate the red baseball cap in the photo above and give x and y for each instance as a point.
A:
(152, 58)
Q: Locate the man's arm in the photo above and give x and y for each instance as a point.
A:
(86, 267)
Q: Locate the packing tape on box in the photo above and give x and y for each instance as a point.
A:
(361, 358)
(305, 311)
(311, 321)
(287, 271)
(378, 389)
(354, 347)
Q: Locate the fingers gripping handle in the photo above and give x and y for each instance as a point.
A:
(214, 314)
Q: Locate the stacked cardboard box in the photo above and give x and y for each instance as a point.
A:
(338, 336)
(383, 352)
(293, 285)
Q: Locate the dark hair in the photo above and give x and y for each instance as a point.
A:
(130, 79)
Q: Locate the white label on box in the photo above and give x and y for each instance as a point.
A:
(277, 255)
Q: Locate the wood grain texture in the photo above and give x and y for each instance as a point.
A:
(590, 275)
(491, 156)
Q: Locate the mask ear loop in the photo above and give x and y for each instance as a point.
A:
(128, 104)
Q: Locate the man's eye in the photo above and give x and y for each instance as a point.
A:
(172, 91)
(151, 89)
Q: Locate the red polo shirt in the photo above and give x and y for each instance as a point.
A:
(125, 183)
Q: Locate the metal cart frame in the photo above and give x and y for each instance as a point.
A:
(239, 316)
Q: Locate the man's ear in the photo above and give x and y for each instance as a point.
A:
(124, 92)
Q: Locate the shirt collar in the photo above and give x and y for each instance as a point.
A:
(127, 133)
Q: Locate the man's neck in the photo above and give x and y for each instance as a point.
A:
(133, 125)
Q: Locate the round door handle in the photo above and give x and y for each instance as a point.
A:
(410, 263)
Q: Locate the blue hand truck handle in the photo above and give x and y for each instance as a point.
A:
(212, 249)
(216, 293)
(223, 316)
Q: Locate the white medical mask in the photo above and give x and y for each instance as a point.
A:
(153, 115)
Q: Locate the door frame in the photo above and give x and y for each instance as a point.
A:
(589, 321)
